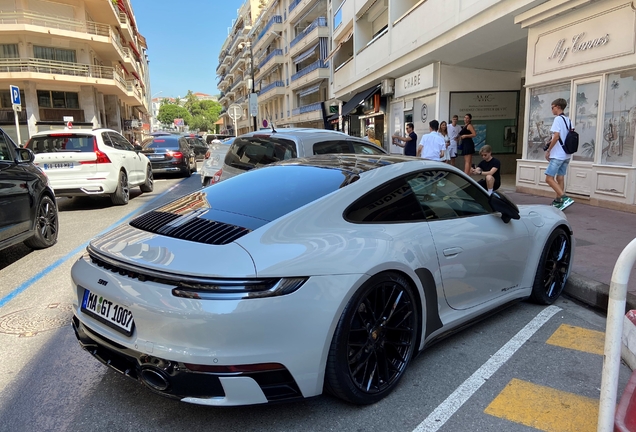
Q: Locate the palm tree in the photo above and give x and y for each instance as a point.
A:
(587, 150)
(614, 86)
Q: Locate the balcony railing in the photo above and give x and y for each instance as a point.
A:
(293, 5)
(312, 67)
(317, 106)
(132, 88)
(57, 67)
(270, 86)
(269, 57)
(49, 21)
(276, 19)
(318, 22)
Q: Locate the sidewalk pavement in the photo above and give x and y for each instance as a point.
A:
(601, 235)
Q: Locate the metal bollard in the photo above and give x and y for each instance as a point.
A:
(613, 332)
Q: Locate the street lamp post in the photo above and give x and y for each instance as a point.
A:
(253, 94)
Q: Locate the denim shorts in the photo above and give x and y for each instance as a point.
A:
(557, 167)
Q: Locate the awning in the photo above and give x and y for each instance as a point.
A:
(142, 41)
(342, 42)
(123, 67)
(135, 50)
(357, 100)
(305, 54)
(309, 90)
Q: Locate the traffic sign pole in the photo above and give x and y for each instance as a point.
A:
(17, 125)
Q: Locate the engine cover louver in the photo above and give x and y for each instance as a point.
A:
(189, 228)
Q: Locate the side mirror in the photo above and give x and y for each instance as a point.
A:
(137, 147)
(25, 155)
(502, 204)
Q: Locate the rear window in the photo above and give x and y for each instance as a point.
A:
(61, 143)
(345, 146)
(256, 151)
(162, 142)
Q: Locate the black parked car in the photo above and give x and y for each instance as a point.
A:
(198, 145)
(28, 212)
(170, 154)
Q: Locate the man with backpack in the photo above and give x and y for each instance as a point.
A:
(558, 154)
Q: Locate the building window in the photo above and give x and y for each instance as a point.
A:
(57, 99)
(5, 99)
(9, 51)
(586, 117)
(56, 54)
(541, 117)
(620, 118)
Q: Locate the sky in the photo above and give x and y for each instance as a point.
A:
(184, 41)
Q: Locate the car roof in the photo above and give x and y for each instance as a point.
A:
(73, 131)
(350, 163)
(300, 132)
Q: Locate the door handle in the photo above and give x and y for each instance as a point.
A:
(453, 251)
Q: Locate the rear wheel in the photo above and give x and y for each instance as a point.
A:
(46, 225)
(148, 185)
(553, 269)
(122, 193)
(207, 182)
(374, 341)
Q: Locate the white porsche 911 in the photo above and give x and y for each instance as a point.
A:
(325, 273)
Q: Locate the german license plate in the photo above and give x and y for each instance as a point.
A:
(107, 311)
(48, 166)
(155, 157)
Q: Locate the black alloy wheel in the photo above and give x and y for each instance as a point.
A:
(553, 269)
(374, 341)
(122, 193)
(148, 185)
(46, 225)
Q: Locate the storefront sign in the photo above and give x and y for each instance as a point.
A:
(416, 81)
(602, 36)
(485, 105)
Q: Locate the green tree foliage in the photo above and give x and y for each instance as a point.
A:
(169, 112)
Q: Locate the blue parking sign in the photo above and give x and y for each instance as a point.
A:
(15, 95)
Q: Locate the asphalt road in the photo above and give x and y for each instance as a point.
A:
(522, 369)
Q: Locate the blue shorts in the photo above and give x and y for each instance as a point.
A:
(557, 167)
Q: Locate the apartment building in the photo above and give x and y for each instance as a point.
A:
(83, 59)
(289, 45)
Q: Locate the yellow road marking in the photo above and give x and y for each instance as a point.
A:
(578, 338)
(544, 408)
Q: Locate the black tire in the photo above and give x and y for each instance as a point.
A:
(149, 184)
(187, 171)
(553, 269)
(195, 166)
(207, 182)
(122, 193)
(46, 225)
(374, 341)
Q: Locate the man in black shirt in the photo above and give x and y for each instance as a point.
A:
(409, 142)
(489, 167)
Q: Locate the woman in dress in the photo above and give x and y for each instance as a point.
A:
(443, 131)
(466, 136)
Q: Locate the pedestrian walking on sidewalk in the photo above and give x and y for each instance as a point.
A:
(466, 136)
(557, 157)
(432, 146)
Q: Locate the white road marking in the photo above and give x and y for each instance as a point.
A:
(446, 409)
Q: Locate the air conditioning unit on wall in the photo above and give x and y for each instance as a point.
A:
(387, 86)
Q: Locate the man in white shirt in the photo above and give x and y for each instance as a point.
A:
(557, 157)
(432, 145)
(453, 134)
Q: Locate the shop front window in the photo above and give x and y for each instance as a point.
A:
(586, 115)
(541, 117)
(620, 119)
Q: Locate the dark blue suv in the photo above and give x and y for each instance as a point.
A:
(28, 212)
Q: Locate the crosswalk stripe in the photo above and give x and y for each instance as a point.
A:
(578, 338)
(544, 408)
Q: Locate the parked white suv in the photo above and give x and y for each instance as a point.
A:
(91, 162)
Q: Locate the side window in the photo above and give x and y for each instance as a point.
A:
(106, 139)
(446, 195)
(362, 148)
(391, 202)
(5, 151)
(119, 142)
(328, 147)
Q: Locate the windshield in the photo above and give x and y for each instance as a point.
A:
(256, 151)
(162, 142)
(61, 143)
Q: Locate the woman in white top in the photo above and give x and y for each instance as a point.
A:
(443, 131)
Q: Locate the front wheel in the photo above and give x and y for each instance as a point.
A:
(374, 341)
(553, 269)
(122, 193)
(149, 184)
(46, 225)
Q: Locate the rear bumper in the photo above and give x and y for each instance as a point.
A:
(174, 380)
(168, 167)
(84, 187)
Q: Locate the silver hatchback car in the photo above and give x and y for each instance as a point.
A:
(256, 149)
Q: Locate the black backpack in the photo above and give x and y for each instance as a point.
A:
(571, 144)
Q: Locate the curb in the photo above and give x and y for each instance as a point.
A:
(593, 293)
